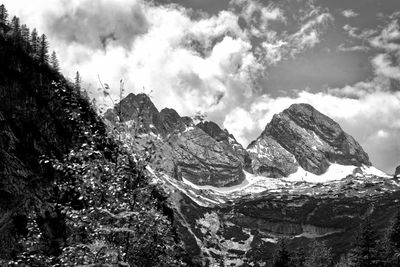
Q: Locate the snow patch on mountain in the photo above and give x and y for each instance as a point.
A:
(188, 129)
(335, 172)
(251, 184)
(371, 170)
(270, 240)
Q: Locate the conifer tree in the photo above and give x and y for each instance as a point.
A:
(365, 251)
(25, 37)
(43, 50)
(16, 30)
(394, 232)
(345, 261)
(282, 256)
(78, 82)
(390, 246)
(298, 258)
(54, 61)
(319, 255)
(3, 14)
(34, 43)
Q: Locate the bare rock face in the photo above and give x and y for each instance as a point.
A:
(311, 138)
(397, 173)
(270, 159)
(171, 122)
(204, 157)
(228, 141)
(140, 111)
(200, 159)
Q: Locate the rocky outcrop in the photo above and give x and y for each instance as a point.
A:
(397, 173)
(270, 159)
(311, 138)
(139, 110)
(203, 154)
(228, 141)
(172, 123)
(200, 159)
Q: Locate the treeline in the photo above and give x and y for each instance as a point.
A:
(368, 250)
(30, 41)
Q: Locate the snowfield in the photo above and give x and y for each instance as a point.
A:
(335, 172)
(251, 184)
(301, 181)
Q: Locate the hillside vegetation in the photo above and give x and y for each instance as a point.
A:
(70, 193)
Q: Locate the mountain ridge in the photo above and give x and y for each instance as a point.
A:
(299, 138)
(191, 151)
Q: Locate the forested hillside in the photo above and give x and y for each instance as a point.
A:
(70, 193)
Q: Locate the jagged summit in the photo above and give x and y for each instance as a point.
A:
(203, 154)
(298, 140)
(302, 136)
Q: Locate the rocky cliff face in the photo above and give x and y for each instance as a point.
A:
(228, 141)
(302, 136)
(203, 154)
(397, 172)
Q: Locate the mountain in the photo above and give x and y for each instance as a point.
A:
(397, 172)
(302, 137)
(299, 144)
(304, 178)
(143, 187)
(202, 154)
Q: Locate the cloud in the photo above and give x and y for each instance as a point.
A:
(383, 65)
(382, 134)
(349, 13)
(362, 35)
(94, 24)
(307, 36)
(387, 62)
(257, 16)
(389, 38)
(356, 48)
(309, 33)
(192, 62)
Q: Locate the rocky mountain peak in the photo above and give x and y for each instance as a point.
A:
(308, 117)
(172, 122)
(213, 130)
(302, 136)
(204, 154)
(397, 172)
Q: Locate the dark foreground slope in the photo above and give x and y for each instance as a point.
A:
(69, 194)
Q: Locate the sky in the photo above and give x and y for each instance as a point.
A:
(239, 61)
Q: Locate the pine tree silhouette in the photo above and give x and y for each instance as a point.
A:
(43, 50)
(54, 61)
(3, 14)
(34, 43)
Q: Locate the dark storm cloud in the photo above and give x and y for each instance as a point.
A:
(98, 23)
